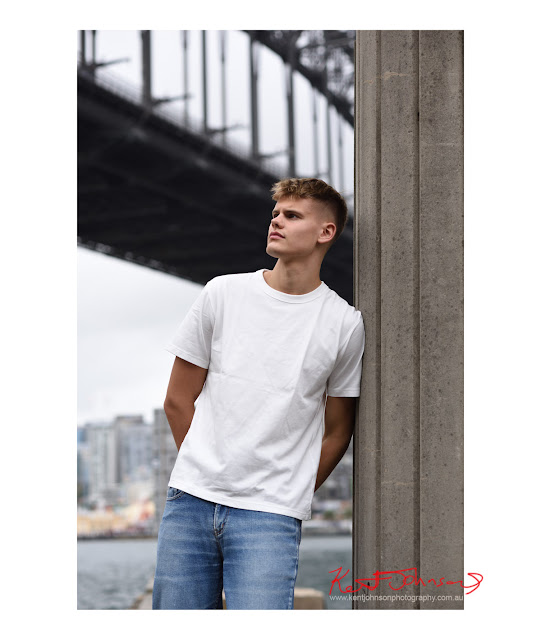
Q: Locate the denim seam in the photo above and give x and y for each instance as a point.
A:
(292, 590)
(225, 519)
(216, 532)
(176, 496)
(218, 544)
(227, 511)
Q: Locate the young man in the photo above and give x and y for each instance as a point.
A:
(261, 403)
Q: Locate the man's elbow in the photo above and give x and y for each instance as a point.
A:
(174, 404)
(339, 437)
(343, 441)
(167, 405)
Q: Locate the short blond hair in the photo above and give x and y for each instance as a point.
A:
(317, 190)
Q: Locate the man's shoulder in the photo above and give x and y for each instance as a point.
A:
(229, 284)
(341, 307)
(232, 279)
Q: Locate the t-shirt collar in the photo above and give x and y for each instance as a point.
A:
(288, 297)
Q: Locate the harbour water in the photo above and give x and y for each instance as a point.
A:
(111, 574)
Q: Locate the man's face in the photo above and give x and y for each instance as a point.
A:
(297, 227)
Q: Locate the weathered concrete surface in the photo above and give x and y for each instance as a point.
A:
(408, 481)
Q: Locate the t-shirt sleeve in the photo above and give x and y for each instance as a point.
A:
(193, 339)
(345, 379)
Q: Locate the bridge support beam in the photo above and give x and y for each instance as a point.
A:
(204, 79)
(90, 68)
(94, 57)
(328, 119)
(316, 133)
(223, 47)
(82, 46)
(185, 53)
(147, 68)
(290, 90)
(254, 96)
(408, 282)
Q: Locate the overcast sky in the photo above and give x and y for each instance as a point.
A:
(126, 312)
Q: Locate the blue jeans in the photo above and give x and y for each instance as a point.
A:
(204, 547)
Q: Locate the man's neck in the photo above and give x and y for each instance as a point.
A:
(292, 279)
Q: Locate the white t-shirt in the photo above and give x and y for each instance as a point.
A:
(272, 357)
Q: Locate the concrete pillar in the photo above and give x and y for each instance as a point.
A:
(408, 280)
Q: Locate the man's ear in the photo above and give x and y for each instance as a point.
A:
(328, 232)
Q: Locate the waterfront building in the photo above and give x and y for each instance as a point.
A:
(102, 471)
(134, 448)
(83, 465)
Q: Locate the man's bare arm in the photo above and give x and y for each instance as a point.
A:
(339, 424)
(185, 385)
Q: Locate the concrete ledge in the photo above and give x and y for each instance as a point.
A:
(306, 598)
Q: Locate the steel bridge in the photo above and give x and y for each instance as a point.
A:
(163, 189)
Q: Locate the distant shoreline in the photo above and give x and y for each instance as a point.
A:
(308, 533)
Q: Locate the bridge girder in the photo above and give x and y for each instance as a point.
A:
(324, 58)
(161, 195)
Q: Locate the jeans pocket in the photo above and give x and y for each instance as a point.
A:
(173, 493)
